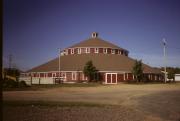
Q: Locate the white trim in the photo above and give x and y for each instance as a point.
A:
(120, 72)
(87, 50)
(72, 51)
(127, 76)
(73, 74)
(84, 77)
(112, 51)
(96, 50)
(133, 76)
(79, 50)
(124, 76)
(105, 50)
(111, 78)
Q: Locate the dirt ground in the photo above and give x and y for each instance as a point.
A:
(125, 102)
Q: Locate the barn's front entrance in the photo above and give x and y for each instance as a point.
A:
(111, 78)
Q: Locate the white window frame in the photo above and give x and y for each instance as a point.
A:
(105, 50)
(96, 50)
(111, 78)
(79, 50)
(87, 50)
(84, 77)
(119, 52)
(72, 51)
(73, 75)
(112, 51)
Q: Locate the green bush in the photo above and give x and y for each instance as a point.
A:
(22, 84)
(7, 83)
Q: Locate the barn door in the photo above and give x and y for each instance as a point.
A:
(111, 78)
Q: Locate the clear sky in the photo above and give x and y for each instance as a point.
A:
(33, 30)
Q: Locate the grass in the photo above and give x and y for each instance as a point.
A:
(51, 104)
(50, 86)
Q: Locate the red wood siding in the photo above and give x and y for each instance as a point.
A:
(49, 74)
(122, 52)
(120, 77)
(75, 51)
(69, 51)
(108, 78)
(68, 76)
(91, 50)
(113, 78)
(83, 50)
(109, 50)
(100, 50)
(116, 51)
(57, 74)
(41, 74)
(130, 76)
(103, 75)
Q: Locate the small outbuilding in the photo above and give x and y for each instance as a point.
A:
(177, 77)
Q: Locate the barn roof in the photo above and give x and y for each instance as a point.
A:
(103, 62)
(96, 42)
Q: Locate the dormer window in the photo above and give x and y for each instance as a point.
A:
(72, 51)
(105, 50)
(79, 50)
(96, 50)
(113, 51)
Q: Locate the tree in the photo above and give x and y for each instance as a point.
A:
(138, 70)
(89, 70)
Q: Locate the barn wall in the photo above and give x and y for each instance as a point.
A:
(120, 77)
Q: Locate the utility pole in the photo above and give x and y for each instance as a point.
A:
(165, 73)
(59, 64)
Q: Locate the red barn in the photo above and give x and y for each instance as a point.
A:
(112, 61)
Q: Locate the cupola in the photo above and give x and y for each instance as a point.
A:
(94, 35)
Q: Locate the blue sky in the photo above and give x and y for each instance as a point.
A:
(33, 30)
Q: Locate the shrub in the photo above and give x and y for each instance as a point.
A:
(22, 84)
(10, 83)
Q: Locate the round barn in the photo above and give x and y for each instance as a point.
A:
(112, 62)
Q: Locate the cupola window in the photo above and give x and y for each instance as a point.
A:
(94, 35)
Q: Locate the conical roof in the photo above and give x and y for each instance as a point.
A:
(96, 42)
(103, 62)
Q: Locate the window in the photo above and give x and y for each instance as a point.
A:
(79, 50)
(73, 75)
(87, 50)
(119, 52)
(113, 51)
(49, 74)
(72, 51)
(105, 50)
(96, 50)
(54, 74)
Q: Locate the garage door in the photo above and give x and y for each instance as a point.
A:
(111, 78)
(177, 77)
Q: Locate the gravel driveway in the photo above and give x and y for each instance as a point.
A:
(152, 102)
